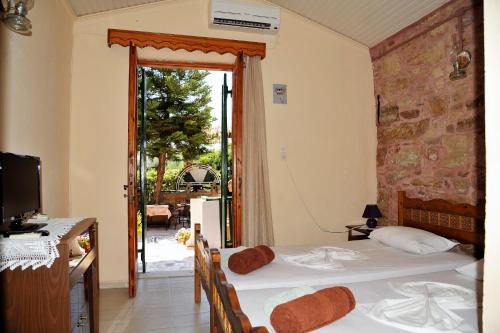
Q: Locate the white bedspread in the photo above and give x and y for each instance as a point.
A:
(324, 257)
(383, 262)
(284, 297)
(253, 303)
(425, 306)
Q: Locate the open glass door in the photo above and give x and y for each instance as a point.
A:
(142, 225)
(162, 109)
(226, 211)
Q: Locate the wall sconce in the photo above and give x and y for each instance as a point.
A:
(460, 61)
(14, 16)
(459, 57)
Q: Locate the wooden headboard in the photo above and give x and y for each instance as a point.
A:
(462, 222)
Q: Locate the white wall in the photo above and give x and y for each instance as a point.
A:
(491, 302)
(327, 127)
(35, 77)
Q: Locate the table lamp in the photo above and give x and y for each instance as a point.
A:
(371, 213)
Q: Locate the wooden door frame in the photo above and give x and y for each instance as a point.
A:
(132, 172)
(134, 39)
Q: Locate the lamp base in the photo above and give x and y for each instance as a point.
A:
(371, 223)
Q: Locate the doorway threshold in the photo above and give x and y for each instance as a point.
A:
(166, 274)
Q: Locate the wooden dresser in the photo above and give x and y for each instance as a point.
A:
(62, 298)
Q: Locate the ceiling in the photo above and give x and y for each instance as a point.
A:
(86, 7)
(367, 21)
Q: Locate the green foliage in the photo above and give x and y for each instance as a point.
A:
(139, 223)
(214, 159)
(178, 124)
(169, 179)
(211, 158)
(150, 184)
(175, 165)
(178, 118)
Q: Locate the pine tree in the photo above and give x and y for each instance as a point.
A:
(178, 118)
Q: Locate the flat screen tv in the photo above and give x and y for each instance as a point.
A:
(19, 192)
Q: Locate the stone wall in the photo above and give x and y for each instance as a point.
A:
(431, 132)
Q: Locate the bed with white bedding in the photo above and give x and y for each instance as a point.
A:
(367, 273)
(367, 295)
(462, 222)
(380, 262)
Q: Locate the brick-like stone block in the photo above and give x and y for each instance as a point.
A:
(396, 176)
(381, 154)
(457, 151)
(438, 105)
(410, 114)
(391, 64)
(388, 114)
(404, 131)
(407, 157)
(472, 123)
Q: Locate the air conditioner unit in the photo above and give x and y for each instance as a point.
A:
(245, 15)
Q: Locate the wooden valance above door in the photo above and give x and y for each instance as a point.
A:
(189, 43)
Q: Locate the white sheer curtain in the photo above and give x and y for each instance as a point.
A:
(257, 218)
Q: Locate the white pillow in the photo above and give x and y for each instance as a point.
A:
(474, 270)
(412, 240)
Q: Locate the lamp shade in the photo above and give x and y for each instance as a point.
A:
(371, 211)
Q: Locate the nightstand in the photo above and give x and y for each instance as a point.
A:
(361, 229)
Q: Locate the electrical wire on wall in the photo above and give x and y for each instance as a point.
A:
(321, 228)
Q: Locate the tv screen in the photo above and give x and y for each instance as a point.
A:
(19, 186)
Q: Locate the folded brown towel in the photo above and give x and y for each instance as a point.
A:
(250, 259)
(266, 251)
(312, 311)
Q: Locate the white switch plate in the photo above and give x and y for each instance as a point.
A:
(279, 93)
(282, 153)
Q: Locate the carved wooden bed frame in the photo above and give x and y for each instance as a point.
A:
(462, 222)
(206, 263)
(228, 315)
(225, 312)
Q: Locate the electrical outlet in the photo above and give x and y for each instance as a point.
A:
(282, 153)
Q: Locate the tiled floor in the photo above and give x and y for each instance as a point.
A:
(162, 305)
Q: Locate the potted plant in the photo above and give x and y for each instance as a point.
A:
(183, 235)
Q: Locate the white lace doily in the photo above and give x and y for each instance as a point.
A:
(37, 252)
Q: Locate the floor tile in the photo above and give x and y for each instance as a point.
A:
(161, 305)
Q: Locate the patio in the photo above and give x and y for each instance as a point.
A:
(164, 255)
